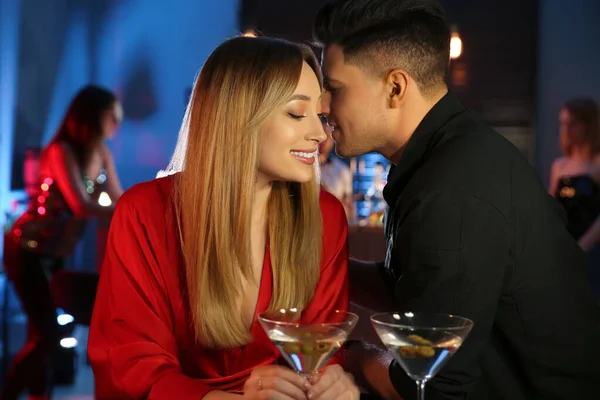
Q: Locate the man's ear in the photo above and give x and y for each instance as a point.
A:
(397, 82)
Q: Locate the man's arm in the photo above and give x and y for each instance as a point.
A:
(454, 251)
(368, 289)
(369, 365)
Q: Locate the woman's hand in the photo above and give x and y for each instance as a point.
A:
(333, 384)
(275, 382)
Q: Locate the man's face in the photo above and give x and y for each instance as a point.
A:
(355, 103)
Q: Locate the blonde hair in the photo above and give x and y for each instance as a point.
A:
(241, 84)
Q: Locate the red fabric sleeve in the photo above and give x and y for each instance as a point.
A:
(131, 345)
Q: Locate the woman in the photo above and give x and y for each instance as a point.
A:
(575, 177)
(74, 168)
(336, 176)
(194, 257)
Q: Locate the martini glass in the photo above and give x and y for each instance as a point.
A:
(307, 347)
(421, 343)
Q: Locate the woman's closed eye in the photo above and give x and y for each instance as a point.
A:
(296, 116)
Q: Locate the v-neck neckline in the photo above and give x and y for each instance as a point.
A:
(265, 287)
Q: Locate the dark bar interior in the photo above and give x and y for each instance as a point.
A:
(528, 69)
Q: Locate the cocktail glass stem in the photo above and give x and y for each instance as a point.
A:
(421, 389)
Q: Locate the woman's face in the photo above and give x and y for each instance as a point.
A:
(111, 120)
(292, 133)
(572, 131)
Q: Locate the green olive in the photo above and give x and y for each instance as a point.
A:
(308, 348)
(291, 348)
(323, 347)
(419, 340)
(408, 351)
(426, 351)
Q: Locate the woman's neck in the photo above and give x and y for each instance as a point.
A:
(581, 153)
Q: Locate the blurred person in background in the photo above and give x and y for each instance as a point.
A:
(74, 168)
(336, 176)
(575, 178)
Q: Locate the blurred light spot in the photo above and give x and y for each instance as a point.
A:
(64, 319)
(104, 199)
(68, 343)
(250, 33)
(455, 44)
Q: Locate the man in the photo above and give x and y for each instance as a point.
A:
(470, 229)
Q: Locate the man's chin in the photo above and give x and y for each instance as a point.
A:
(343, 152)
(339, 151)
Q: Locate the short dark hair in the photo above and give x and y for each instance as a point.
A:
(380, 35)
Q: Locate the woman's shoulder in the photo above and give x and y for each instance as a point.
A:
(559, 163)
(57, 152)
(335, 229)
(152, 197)
(57, 147)
(332, 211)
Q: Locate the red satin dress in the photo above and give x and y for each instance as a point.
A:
(141, 344)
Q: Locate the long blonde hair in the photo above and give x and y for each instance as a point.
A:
(241, 84)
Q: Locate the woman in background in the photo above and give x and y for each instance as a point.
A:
(575, 178)
(336, 176)
(194, 257)
(74, 168)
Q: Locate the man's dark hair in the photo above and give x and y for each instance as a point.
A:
(381, 35)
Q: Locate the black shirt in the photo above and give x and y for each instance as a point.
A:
(471, 231)
(580, 197)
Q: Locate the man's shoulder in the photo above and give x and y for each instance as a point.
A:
(473, 160)
(466, 156)
(470, 141)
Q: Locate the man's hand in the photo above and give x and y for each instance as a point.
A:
(370, 367)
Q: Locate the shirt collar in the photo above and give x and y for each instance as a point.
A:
(423, 140)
